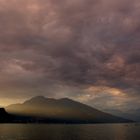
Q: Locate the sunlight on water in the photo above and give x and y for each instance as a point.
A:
(69, 132)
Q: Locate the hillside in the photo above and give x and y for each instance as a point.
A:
(62, 111)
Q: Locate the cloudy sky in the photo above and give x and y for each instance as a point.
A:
(87, 50)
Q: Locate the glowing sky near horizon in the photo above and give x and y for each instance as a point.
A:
(87, 50)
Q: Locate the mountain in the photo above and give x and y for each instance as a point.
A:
(132, 114)
(12, 118)
(62, 110)
(4, 116)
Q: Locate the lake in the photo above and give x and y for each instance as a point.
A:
(69, 132)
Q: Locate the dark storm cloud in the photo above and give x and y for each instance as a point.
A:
(51, 47)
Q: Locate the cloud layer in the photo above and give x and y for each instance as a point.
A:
(66, 48)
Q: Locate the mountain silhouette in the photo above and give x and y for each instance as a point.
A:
(4, 116)
(63, 110)
(11, 118)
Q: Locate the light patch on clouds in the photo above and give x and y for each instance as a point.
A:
(87, 50)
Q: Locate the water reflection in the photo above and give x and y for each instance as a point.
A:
(69, 132)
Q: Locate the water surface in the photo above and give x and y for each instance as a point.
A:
(69, 132)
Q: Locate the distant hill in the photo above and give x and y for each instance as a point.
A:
(132, 114)
(63, 110)
(4, 116)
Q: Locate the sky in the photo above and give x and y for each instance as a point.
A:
(86, 50)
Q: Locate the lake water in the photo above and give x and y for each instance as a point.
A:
(69, 132)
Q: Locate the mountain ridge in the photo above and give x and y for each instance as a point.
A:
(62, 110)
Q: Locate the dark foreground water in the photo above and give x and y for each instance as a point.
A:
(69, 132)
